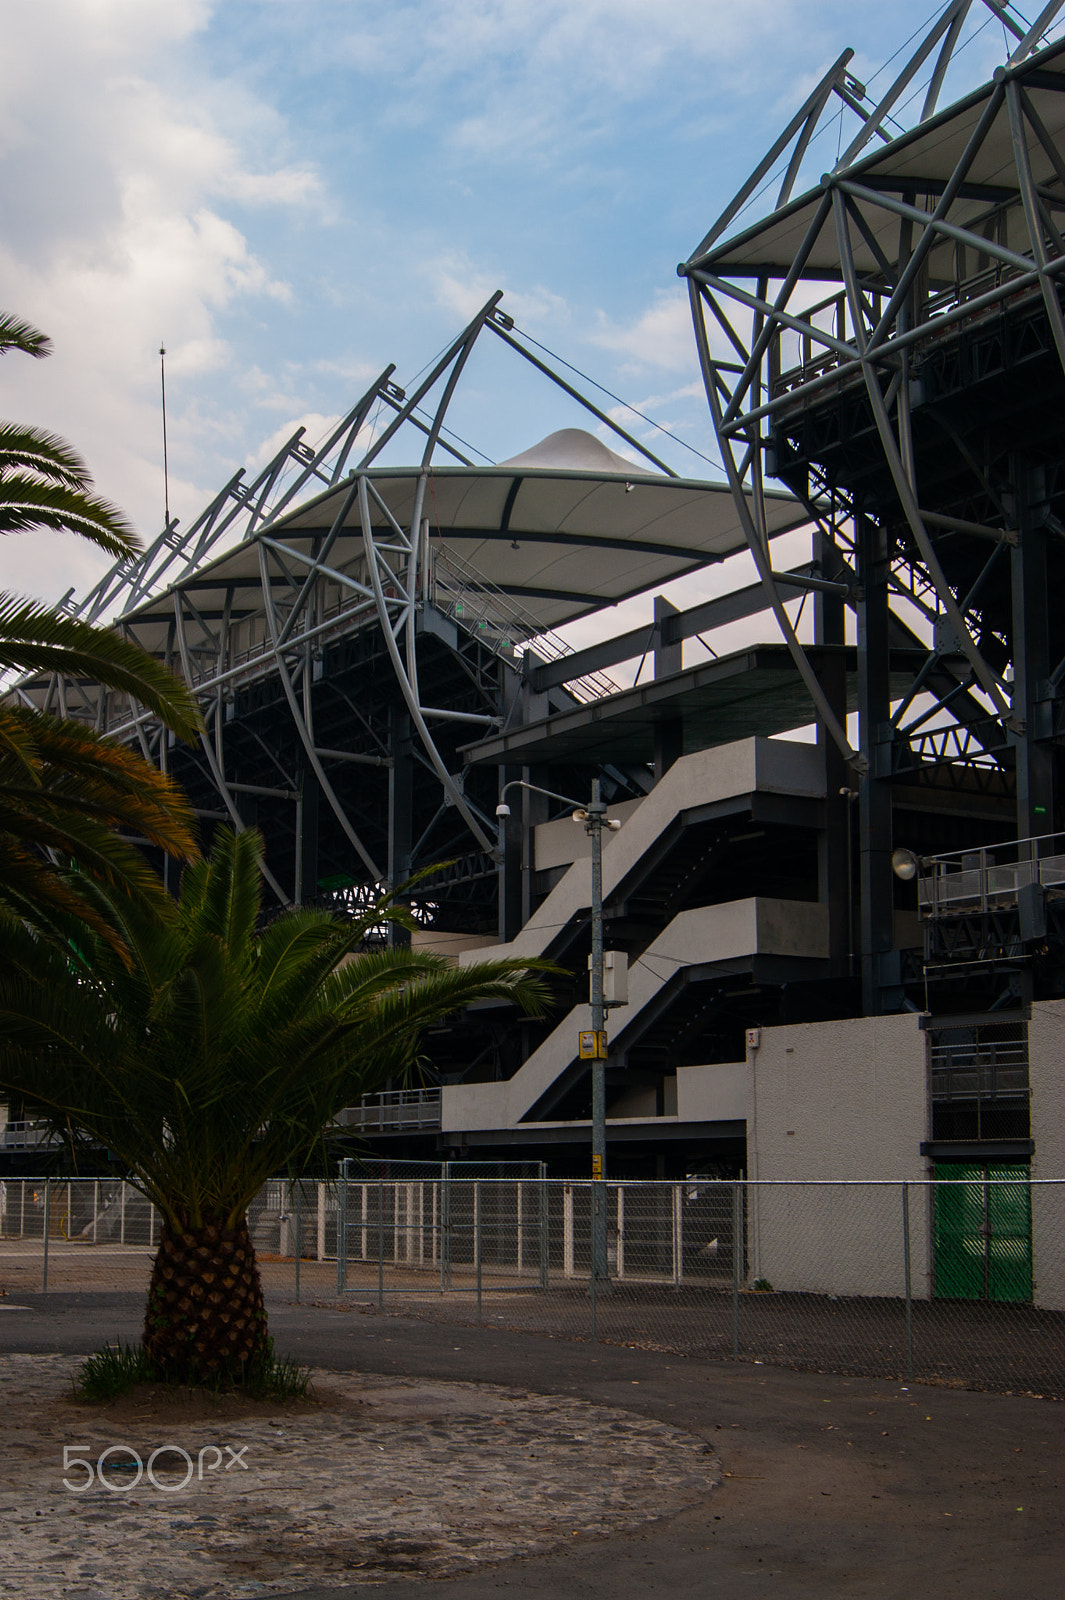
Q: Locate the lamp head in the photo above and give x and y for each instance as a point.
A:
(904, 864)
(502, 809)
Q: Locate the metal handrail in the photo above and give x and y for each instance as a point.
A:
(991, 877)
(27, 1136)
(394, 1108)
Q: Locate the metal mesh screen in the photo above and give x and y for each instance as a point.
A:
(958, 1280)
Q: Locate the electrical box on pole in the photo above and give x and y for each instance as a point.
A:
(615, 977)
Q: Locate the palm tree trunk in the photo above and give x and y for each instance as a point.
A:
(205, 1308)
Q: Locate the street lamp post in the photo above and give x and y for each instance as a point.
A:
(594, 816)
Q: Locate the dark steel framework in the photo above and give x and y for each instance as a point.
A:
(367, 692)
(918, 410)
(312, 676)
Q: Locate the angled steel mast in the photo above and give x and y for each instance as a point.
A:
(250, 602)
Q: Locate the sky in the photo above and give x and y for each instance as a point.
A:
(291, 194)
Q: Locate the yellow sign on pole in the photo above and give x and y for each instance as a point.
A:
(592, 1045)
(597, 1166)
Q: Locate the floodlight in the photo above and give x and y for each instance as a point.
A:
(904, 864)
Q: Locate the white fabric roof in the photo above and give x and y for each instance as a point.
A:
(931, 153)
(562, 541)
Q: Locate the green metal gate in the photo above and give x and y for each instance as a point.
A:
(982, 1233)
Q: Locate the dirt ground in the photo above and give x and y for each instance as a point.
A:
(831, 1487)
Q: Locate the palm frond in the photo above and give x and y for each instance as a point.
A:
(17, 742)
(81, 775)
(18, 335)
(26, 503)
(42, 453)
(69, 746)
(224, 893)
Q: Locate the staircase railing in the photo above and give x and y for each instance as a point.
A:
(479, 606)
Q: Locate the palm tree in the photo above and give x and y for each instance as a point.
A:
(64, 788)
(212, 1059)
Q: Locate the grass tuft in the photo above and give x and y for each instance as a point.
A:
(117, 1370)
(110, 1373)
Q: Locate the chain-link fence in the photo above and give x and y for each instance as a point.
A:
(958, 1282)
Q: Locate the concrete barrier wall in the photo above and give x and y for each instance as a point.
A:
(1046, 1069)
(838, 1100)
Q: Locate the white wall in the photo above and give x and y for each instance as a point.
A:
(716, 1093)
(705, 933)
(442, 943)
(1046, 1068)
(560, 843)
(772, 766)
(838, 1100)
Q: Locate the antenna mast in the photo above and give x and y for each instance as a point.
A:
(166, 472)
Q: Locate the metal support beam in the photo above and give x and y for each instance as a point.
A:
(400, 809)
(874, 795)
(306, 853)
(835, 887)
(1031, 658)
(513, 834)
(672, 629)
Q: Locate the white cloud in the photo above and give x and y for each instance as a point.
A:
(529, 75)
(661, 336)
(462, 289)
(119, 182)
(351, 370)
(316, 429)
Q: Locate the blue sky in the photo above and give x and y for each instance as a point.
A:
(294, 192)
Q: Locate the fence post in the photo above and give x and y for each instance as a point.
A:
(477, 1241)
(47, 1225)
(320, 1221)
(342, 1229)
(95, 1206)
(298, 1219)
(445, 1228)
(619, 1266)
(22, 1212)
(906, 1271)
(545, 1229)
(567, 1231)
(678, 1234)
(381, 1240)
(592, 1274)
(520, 1224)
(737, 1264)
(122, 1212)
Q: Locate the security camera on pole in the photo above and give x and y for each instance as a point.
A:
(591, 1046)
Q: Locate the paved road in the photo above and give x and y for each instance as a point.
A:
(834, 1487)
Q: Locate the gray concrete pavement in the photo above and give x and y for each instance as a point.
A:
(834, 1487)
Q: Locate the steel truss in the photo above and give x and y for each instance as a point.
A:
(918, 409)
(326, 646)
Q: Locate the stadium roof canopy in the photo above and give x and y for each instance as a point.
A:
(563, 529)
(915, 168)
